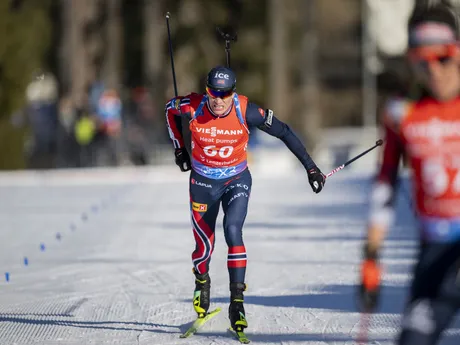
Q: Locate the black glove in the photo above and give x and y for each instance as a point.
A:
(183, 159)
(316, 179)
(369, 288)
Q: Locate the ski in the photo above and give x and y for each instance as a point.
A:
(199, 322)
(240, 335)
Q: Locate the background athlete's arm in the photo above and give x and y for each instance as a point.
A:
(175, 109)
(382, 197)
(381, 215)
(267, 122)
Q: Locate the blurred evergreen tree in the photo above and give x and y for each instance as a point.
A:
(25, 33)
(31, 33)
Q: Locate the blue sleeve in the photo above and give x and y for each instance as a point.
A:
(267, 122)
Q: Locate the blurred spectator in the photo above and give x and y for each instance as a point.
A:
(76, 133)
(67, 152)
(140, 134)
(41, 115)
(84, 132)
(107, 109)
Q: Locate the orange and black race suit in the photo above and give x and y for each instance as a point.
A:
(219, 170)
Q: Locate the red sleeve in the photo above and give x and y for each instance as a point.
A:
(382, 197)
(392, 153)
(175, 109)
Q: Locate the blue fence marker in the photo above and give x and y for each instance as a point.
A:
(84, 216)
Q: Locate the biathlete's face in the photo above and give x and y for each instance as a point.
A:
(220, 101)
(438, 68)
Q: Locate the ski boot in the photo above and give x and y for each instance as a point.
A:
(201, 295)
(201, 301)
(236, 312)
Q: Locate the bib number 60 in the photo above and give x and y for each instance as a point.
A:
(223, 152)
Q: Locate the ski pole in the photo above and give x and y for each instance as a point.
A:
(377, 143)
(228, 36)
(171, 54)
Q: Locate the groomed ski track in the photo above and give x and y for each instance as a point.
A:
(109, 260)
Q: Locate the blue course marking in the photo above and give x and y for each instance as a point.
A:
(72, 226)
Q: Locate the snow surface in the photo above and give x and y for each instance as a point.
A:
(120, 271)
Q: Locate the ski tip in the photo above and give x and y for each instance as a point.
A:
(240, 336)
(213, 312)
(200, 322)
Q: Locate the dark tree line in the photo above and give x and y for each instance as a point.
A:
(300, 58)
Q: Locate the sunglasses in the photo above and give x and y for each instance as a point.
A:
(219, 94)
(422, 57)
